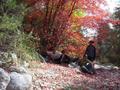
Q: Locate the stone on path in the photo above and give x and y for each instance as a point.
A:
(4, 79)
(20, 81)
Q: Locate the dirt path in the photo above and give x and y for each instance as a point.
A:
(56, 77)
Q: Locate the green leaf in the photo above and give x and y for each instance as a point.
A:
(11, 4)
(79, 13)
(11, 22)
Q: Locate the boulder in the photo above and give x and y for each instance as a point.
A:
(8, 59)
(18, 69)
(19, 81)
(4, 79)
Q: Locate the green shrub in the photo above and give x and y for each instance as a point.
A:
(12, 37)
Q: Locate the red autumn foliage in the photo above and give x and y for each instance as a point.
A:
(50, 19)
(76, 43)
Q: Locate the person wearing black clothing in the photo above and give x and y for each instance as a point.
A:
(90, 52)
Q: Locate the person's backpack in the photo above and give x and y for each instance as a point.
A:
(87, 67)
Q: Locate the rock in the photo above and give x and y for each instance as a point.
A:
(4, 79)
(25, 64)
(115, 67)
(72, 65)
(107, 67)
(18, 69)
(97, 66)
(7, 59)
(19, 81)
(14, 58)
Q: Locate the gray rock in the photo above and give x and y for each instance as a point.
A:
(115, 67)
(107, 66)
(25, 64)
(14, 58)
(7, 59)
(73, 65)
(4, 79)
(18, 69)
(19, 81)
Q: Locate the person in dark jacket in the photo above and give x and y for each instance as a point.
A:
(90, 52)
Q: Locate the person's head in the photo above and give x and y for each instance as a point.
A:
(63, 51)
(91, 42)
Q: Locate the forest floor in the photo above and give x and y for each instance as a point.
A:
(57, 77)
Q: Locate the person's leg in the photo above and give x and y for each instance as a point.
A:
(92, 61)
(93, 64)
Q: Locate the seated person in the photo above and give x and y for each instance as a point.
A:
(60, 57)
(64, 57)
(55, 56)
(67, 59)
